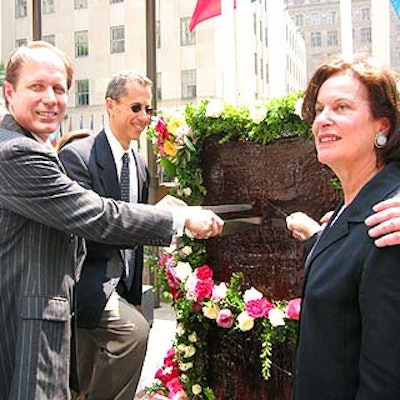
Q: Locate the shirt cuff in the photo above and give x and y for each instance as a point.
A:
(178, 221)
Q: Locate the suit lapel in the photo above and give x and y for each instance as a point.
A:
(106, 166)
(141, 174)
(382, 186)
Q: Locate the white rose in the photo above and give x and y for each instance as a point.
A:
(183, 270)
(246, 322)
(181, 347)
(180, 329)
(185, 366)
(186, 251)
(276, 317)
(257, 112)
(196, 389)
(214, 108)
(252, 294)
(193, 337)
(187, 191)
(190, 351)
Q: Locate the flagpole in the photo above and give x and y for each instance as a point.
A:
(346, 28)
(226, 52)
(380, 30)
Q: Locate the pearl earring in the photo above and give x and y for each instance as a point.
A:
(380, 140)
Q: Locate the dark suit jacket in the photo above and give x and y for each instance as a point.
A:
(90, 162)
(42, 213)
(349, 345)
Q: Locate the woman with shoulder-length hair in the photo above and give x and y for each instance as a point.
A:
(348, 345)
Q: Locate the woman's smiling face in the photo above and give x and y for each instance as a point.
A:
(344, 127)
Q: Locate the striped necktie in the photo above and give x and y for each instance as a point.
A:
(124, 185)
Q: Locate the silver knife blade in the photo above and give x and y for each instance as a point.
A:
(236, 225)
(228, 208)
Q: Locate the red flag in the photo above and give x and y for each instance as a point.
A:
(205, 9)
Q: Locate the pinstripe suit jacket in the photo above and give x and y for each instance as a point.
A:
(90, 162)
(42, 212)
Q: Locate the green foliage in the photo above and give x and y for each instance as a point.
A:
(281, 121)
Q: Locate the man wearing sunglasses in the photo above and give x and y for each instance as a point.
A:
(112, 331)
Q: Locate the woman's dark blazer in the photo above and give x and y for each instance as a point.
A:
(349, 336)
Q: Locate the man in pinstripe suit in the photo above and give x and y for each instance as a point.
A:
(42, 214)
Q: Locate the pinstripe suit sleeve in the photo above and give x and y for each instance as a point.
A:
(33, 185)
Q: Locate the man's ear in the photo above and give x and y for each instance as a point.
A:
(8, 90)
(110, 104)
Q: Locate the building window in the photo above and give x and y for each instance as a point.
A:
(315, 19)
(48, 6)
(81, 44)
(116, 1)
(332, 38)
(365, 14)
(298, 1)
(187, 38)
(158, 86)
(20, 42)
(365, 35)
(117, 39)
(299, 20)
(261, 31)
(20, 9)
(158, 34)
(331, 17)
(188, 85)
(80, 4)
(315, 39)
(261, 69)
(82, 92)
(50, 39)
(255, 64)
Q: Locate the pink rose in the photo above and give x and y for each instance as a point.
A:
(204, 272)
(203, 289)
(225, 318)
(219, 292)
(166, 260)
(174, 386)
(293, 309)
(161, 129)
(258, 308)
(173, 282)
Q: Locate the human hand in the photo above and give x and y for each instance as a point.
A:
(385, 223)
(201, 223)
(325, 218)
(301, 225)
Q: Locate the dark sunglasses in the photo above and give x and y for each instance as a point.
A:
(137, 107)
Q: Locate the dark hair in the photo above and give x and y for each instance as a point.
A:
(381, 84)
(116, 88)
(21, 55)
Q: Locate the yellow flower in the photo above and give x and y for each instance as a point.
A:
(211, 312)
(174, 122)
(169, 148)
